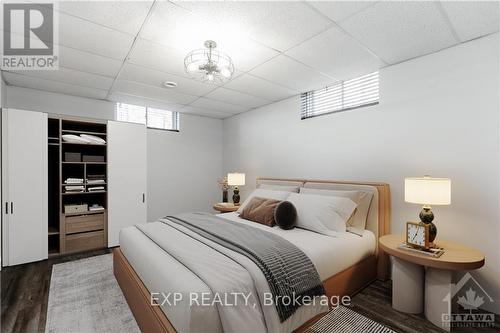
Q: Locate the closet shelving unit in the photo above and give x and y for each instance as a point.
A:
(54, 147)
(82, 231)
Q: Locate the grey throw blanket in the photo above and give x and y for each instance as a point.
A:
(289, 272)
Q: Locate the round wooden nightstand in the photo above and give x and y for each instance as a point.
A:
(225, 207)
(415, 274)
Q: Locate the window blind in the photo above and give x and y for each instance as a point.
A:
(163, 119)
(151, 117)
(342, 96)
(130, 113)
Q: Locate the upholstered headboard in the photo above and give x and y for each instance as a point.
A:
(379, 214)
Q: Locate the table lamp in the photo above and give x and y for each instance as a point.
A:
(236, 179)
(428, 191)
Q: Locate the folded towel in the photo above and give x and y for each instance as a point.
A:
(73, 181)
(74, 188)
(96, 188)
(95, 181)
(96, 176)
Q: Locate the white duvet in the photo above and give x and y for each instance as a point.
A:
(193, 267)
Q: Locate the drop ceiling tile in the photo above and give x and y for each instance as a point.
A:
(336, 54)
(178, 28)
(400, 30)
(88, 62)
(340, 10)
(472, 19)
(71, 76)
(53, 86)
(159, 57)
(205, 112)
(147, 91)
(261, 88)
(247, 54)
(126, 16)
(87, 36)
(293, 74)
(279, 25)
(211, 104)
(156, 78)
(238, 98)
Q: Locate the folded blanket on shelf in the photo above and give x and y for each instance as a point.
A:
(73, 181)
(96, 181)
(99, 176)
(73, 187)
(95, 189)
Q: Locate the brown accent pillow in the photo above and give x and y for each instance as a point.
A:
(260, 210)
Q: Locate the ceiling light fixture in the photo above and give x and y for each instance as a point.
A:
(209, 64)
(169, 84)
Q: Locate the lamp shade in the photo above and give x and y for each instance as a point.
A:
(235, 179)
(428, 191)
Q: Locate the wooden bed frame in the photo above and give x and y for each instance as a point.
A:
(152, 319)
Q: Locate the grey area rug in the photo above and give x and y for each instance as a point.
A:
(344, 320)
(84, 297)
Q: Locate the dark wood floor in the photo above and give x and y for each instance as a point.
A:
(25, 291)
(374, 302)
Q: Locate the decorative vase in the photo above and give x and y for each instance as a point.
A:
(224, 196)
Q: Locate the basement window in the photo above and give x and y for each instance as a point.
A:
(162, 119)
(342, 96)
(152, 117)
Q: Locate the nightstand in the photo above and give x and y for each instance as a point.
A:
(419, 279)
(225, 207)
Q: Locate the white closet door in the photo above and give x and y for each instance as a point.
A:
(126, 177)
(25, 191)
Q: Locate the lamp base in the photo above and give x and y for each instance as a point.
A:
(426, 216)
(236, 196)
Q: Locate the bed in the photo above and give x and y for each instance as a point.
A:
(345, 265)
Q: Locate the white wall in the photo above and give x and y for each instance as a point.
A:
(438, 115)
(36, 100)
(183, 167)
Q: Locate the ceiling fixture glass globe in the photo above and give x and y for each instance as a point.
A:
(209, 64)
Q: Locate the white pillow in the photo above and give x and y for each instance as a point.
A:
(357, 223)
(93, 139)
(73, 138)
(261, 193)
(323, 214)
(285, 188)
